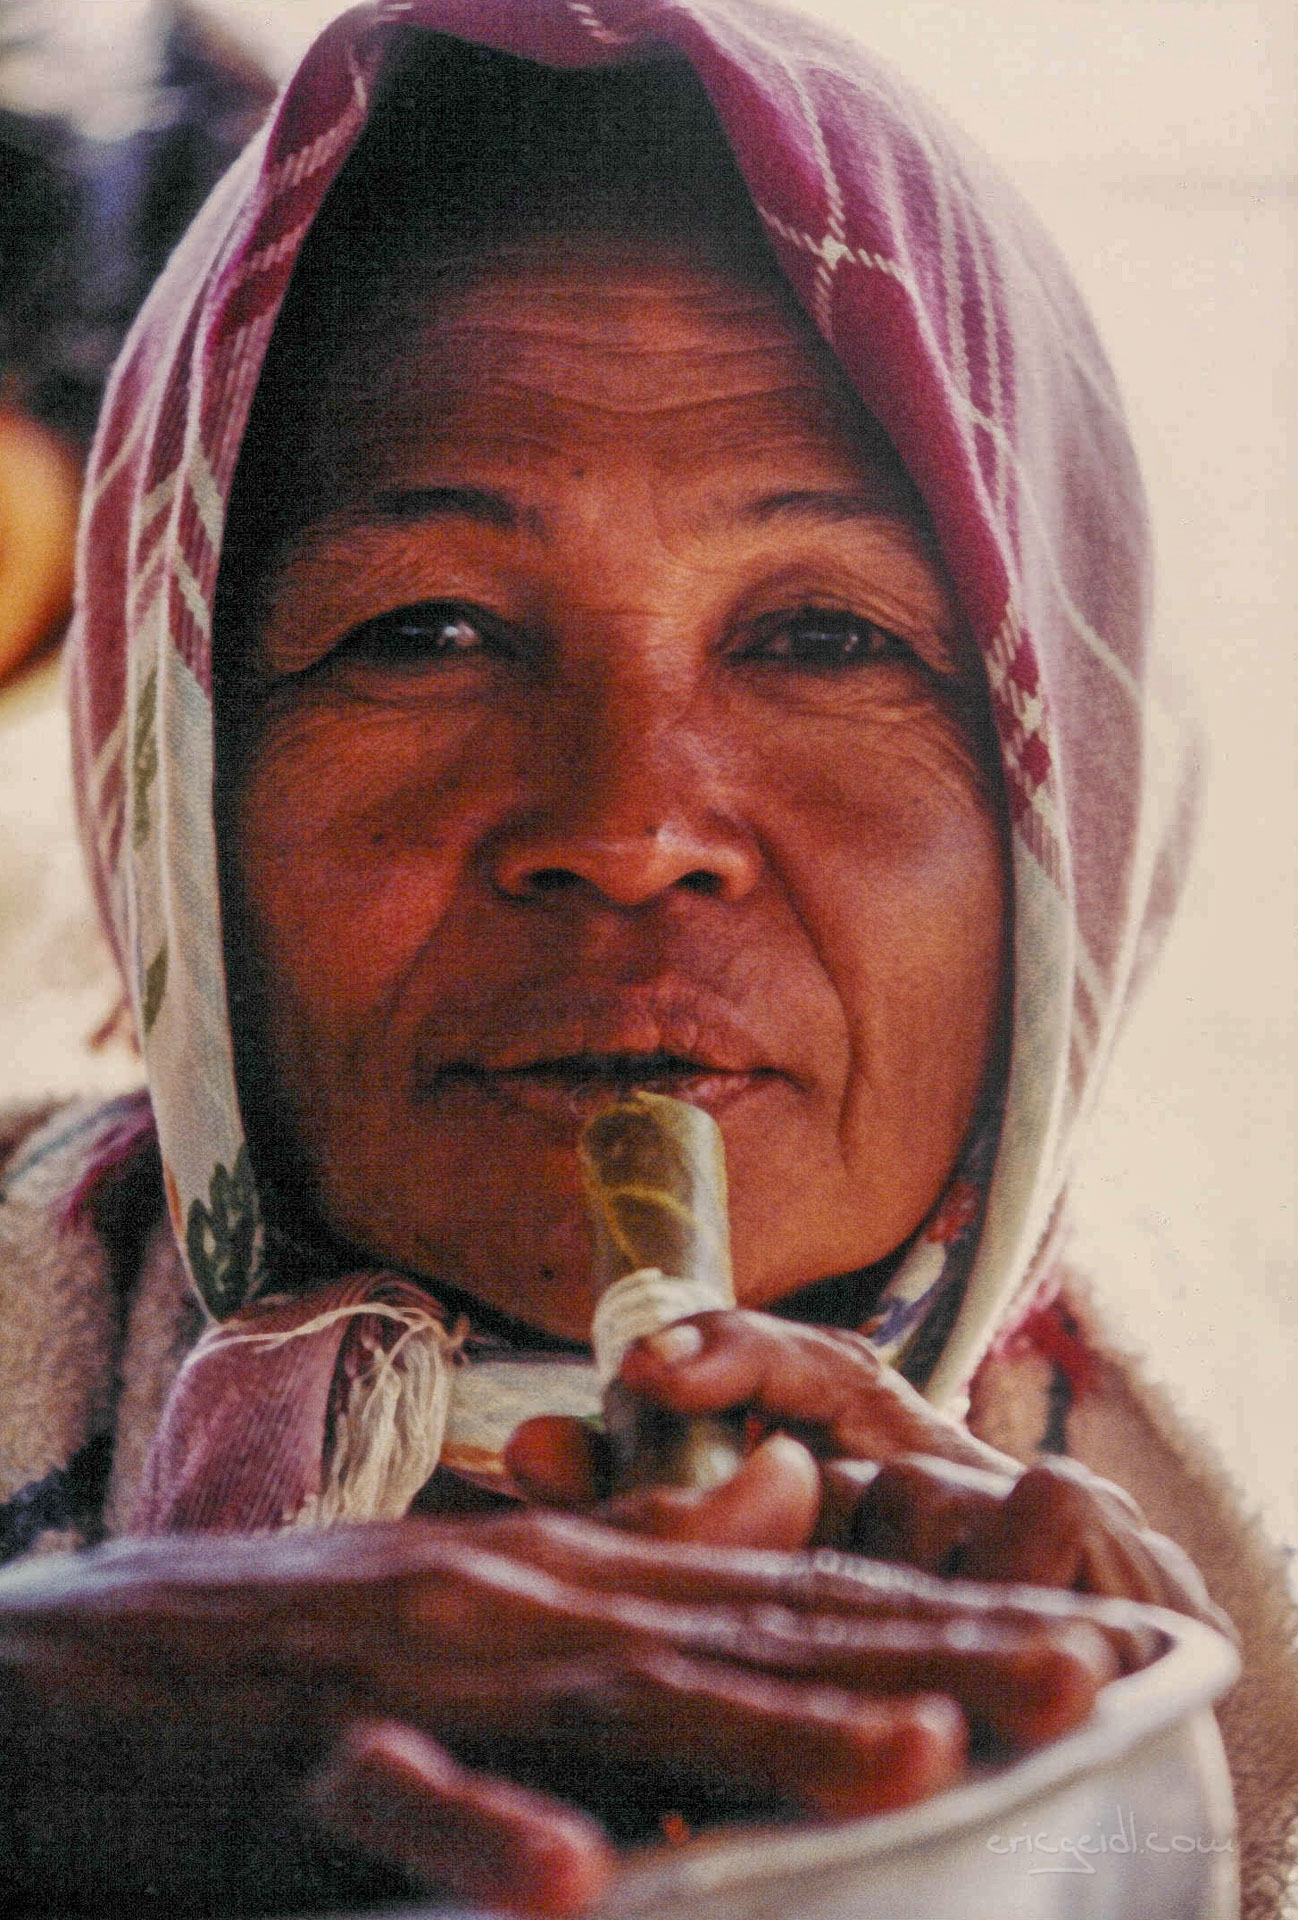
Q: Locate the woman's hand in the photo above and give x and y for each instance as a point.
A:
(1054, 1524)
(824, 1396)
(172, 1703)
(856, 1458)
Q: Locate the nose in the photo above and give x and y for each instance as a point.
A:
(626, 809)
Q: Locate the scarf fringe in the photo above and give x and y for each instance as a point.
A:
(389, 1425)
(388, 1434)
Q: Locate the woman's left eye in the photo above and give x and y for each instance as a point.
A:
(822, 639)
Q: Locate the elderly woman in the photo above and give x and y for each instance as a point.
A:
(612, 562)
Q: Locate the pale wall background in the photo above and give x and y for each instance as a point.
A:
(1159, 139)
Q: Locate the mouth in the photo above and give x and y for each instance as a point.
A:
(562, 1055)
(574, 1086)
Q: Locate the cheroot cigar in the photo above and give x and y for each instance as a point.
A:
(655, 1179)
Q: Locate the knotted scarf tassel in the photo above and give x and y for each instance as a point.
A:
(389, 1428)
(301, 1412)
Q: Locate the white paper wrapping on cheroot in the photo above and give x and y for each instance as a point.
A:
(644, 1302)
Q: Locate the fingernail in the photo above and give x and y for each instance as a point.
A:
(675, 1344)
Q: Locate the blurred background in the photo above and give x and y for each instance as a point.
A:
(1159, 140)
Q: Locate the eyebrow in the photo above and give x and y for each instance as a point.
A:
(488, 508)
(819, 504)
(491, 509)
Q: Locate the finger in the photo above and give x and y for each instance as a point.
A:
(1045, 1529)
(1024, 1687)
(558, 1461)
(1063, 1526)
(1025, 1684)
(402, 1798)
(830, 1387)
(924, 1512)
(824, 1749)
(772, 1501)
(487, 1587)
(597, 1559)
(452, 1599)
(676, 1720)
(827, 1583)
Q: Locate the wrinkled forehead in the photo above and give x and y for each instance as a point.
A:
(571, 339)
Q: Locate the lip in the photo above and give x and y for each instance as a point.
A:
(563, 1054)
(579, 1086)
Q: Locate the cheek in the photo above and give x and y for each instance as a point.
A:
(898, 871)
(891, 821)
(353, 826)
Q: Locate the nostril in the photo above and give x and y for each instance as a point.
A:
(536, 861)
(550, 880)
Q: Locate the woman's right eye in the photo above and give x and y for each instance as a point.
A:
(438, 632)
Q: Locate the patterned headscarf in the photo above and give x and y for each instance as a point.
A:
(960, 329)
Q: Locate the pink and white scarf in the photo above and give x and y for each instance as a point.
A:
(956, 321)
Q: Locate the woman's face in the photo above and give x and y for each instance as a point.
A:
(612, 726)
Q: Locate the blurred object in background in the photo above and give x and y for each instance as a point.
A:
(40, 485)
(115, 121)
